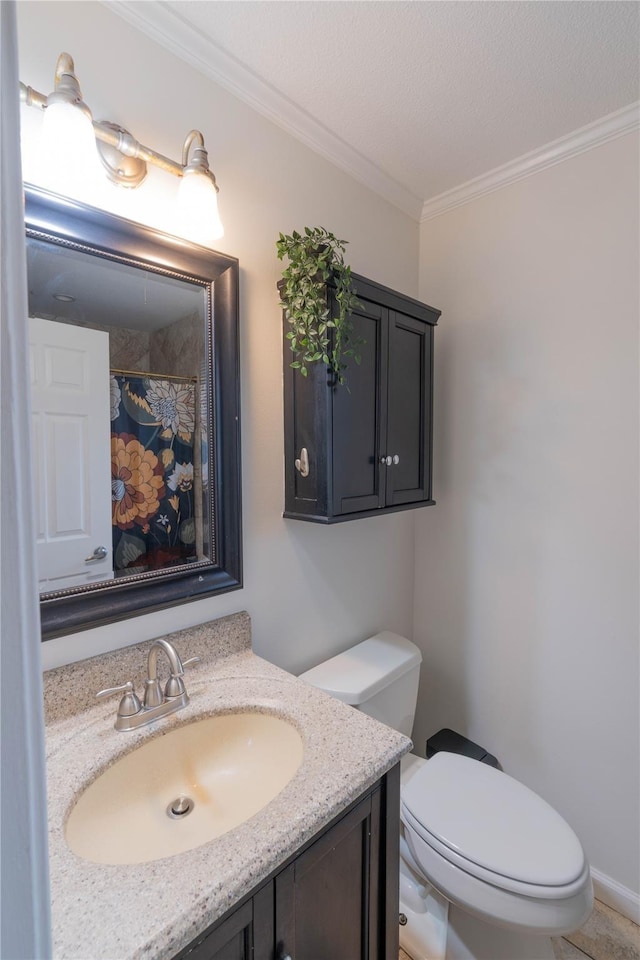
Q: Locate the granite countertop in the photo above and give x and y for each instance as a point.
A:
(152, 910)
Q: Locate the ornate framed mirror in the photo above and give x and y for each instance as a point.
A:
(135, 392)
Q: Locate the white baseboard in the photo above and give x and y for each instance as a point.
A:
(619, 898)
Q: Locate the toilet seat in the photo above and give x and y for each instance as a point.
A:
(493, 827)
(510, 884)
(552, 917)
(499, 877)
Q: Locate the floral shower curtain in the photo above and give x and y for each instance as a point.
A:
(152, 457)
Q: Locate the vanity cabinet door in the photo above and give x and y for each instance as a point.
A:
(247, 934)
(329, 903)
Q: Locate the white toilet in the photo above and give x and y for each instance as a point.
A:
(488, 870)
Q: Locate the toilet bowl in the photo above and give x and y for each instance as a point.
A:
(489, 870)
(496, 849)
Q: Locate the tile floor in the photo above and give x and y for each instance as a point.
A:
(605, 936)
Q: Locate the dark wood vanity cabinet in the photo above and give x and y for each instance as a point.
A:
(369, 442)
(337, 899)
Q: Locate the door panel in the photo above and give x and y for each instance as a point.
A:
(71, 452)
(359, 418)
(324, 907)
(247, 934)
(232, 940)
(409, 422)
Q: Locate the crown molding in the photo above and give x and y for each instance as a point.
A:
(165, 26)
(608, 128)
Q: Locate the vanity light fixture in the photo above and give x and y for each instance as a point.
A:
(198, 191)
(75, 143)
(68, 150)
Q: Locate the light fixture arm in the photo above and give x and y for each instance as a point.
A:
(65, 67)
(31, 97)
(66, 85)
(190, 139)
(199, 162)
(126, 143)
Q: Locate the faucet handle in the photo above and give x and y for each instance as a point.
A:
(175, 685)
(129, 704)
(186, 663)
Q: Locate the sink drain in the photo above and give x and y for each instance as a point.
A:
(180, 807)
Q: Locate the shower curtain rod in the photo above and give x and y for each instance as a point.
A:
(156, 376)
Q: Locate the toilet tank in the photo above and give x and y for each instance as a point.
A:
(378, 676)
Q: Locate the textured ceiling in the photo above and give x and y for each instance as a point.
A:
(433, 93)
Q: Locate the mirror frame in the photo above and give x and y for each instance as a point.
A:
(69, 223)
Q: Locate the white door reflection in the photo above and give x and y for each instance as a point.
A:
(70, 450)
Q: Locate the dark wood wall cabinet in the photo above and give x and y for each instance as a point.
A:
(337, 899)
(363, 448)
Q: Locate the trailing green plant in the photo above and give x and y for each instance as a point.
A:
(315, 258)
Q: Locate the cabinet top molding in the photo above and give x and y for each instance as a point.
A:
(386, 297)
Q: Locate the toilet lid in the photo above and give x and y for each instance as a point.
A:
(489, 819)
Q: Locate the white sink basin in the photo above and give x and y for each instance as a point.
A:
(229, 766)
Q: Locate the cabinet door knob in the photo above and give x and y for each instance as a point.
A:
(385, 461)
(396, 459)
(302, 464)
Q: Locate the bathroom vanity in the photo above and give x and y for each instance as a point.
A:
(313, 874)
(334, 899)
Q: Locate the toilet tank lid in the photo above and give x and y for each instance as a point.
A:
(364, 670)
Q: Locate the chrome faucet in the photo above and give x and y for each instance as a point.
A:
(132, 713)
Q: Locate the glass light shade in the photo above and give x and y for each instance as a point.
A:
(198, 217)
(69, 161)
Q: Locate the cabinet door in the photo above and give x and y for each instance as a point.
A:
(359, 418)
(247, 934)
(409, 410)
(328, 899)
